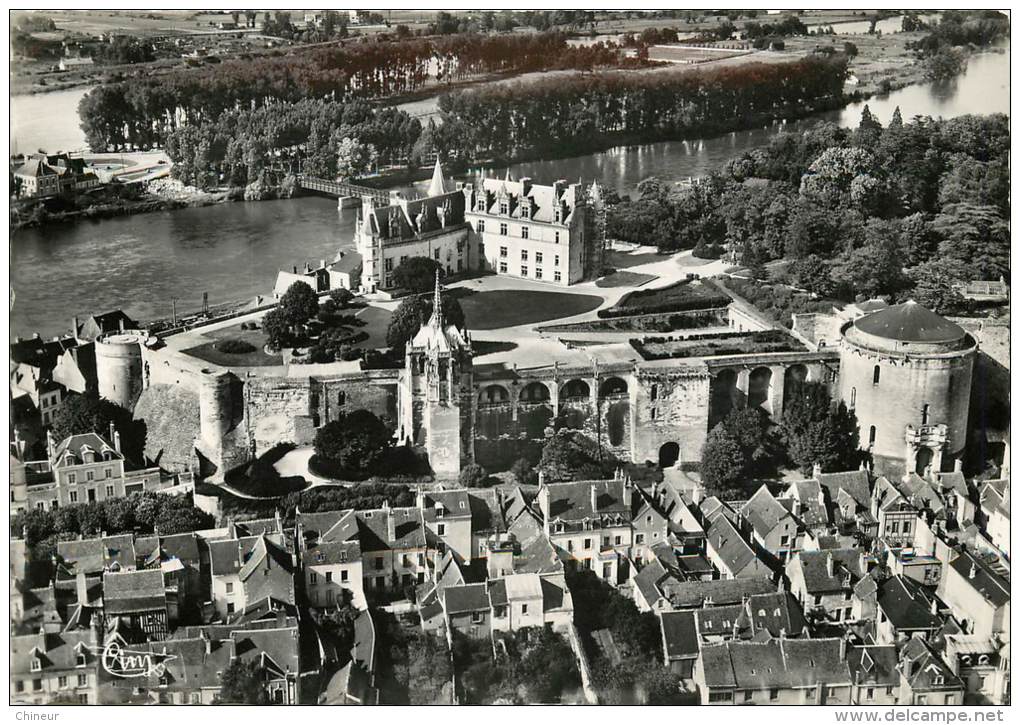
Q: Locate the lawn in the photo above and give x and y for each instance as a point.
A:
(622, 260)
(685, 295)
(497, 309)
(258, 358)
(624, 279)
(376, 321)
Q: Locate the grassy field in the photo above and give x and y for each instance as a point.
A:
(508, 308)
(624, 279)
(258, 358)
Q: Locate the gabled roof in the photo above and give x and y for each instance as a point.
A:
(731, 548)
(686, 595)
(132, 592)
(464, 598)
(572, 501)
(71, 451)
(990, 586)
(873, 664)
(924, 670)
(277, 650)
(680, 635)
(54, 651)
(775, 663)
(907, 605)
(857, 485)
(815, 568)
(93, 556)
(765, 513)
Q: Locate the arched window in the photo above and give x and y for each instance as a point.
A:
(875, 375)
(924, 414)
(853, 398)
(871, 436)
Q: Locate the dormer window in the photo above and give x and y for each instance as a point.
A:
(526, 210)
(983, 660)
(557, 214)
(481, 203)
(36, 664)
(504, 208)
(440, 511)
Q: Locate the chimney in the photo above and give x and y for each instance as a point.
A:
(36, 336)
(81, 588)
(958, 465)
(934, 606)
(51, 445)
(116, 441)
(973, 571)
(113, 431)
(628, 492)
(864, 563)
(322, 264)
(391, 524)
(594, 498)
(207, 641)
(842, 648)
(541, 478)
(120, 324)
(74, 326)
(419, 499)
(782, 633)
(816, 470)
(295, 269)
(829, 564)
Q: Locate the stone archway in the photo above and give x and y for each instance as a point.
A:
(723, 395)
(669, 454)
(535, 392)
(924, 458)
(759, 389)
(613, 386)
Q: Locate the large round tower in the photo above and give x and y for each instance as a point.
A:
(906, 372)
(119, 366)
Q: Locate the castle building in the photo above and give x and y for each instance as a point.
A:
(906, 373)
(545, 233)
(432, 227)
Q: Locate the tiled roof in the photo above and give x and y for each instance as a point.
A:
(814, 565)
(680, 634)
(133, 591)
(721, 591)
(907, 605)
(730, 546)
(924, 669)
(764, 512)
(573, 501)
(776, 663)
(277, 650)
(54, 651)
(465, 598)
(76, 446)
(873, 664)
(992, 587)
(94, 555)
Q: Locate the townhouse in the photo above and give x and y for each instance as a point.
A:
(823, 581)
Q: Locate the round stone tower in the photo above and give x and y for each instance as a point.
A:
(119, 366)
(906, 372)
(215, 407)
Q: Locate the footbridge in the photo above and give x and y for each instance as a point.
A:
(340, 189)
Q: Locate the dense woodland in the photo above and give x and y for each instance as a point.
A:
(582, 113)
(900, 211)
(143, 112)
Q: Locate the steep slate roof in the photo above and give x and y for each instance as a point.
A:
(465, 598)
(76, 445)
(573, 501)
(94, 555)
(228, 556)
(924, 669)
(910, 322)
(130, 592)
(857, 485)
(731, 547)
(873, 664)
(815, 568)
(680, 634)
(268, 572)
(545, 199)
(776, 663)
(764, 512)
(54, 651)
(812, 509)
(277, 649)
(720, 591)
(907, 605)
(992, 587)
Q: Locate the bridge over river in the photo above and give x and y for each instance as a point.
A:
(340, 189)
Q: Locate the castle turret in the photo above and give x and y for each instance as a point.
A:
(437, 187)
(906, 373)
(119, 366)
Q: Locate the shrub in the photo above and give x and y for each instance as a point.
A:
(473, 476)
(234, 346)
(524, 471)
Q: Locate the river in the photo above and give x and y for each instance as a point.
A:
(233, 251)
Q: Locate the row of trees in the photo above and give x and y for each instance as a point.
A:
(908, 209)
(589, 112)
(143, 111)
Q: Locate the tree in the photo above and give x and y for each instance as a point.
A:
(426, 669)
(417, 274)
(722, 463)
(277, 331)
(88, 413)
(935, 284)
(415, 311)
(818, 431)
(569, 455)
(524, 471)
(354, 442)
(472, 476)
(299, 304)
(354, 158)
(877, 267)
(241, 684)
(945, 65)
(977, 236)
(341, 297)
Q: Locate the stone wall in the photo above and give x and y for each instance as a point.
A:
(670, 406)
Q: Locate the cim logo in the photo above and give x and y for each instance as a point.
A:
(126, 663)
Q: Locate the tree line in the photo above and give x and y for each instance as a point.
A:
(142, 112)
(583, 113)
(909, 209)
